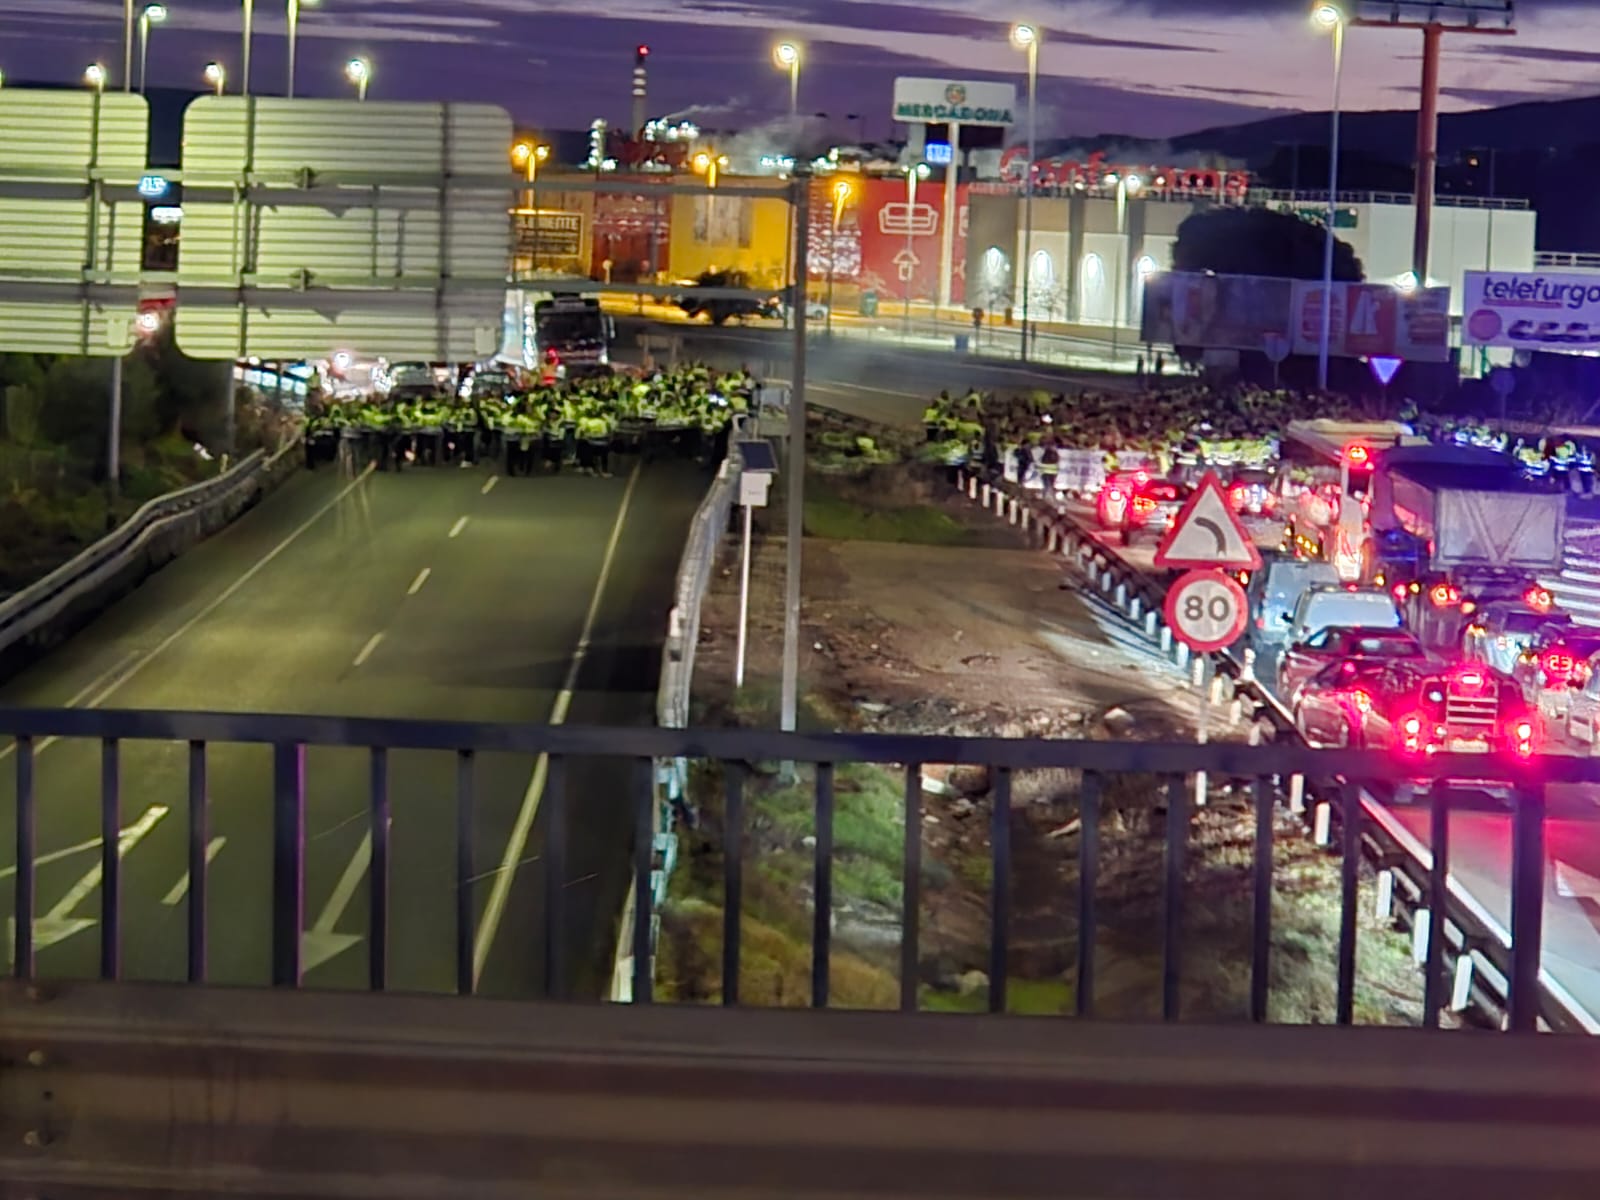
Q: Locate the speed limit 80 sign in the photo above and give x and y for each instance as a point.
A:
(1206, 610)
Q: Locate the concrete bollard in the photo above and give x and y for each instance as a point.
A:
(1182, 655)
(972, 488)
(1297, 794)
(1150, 619)
(984, 493)
(1122, 595)
(1249, 670)
(1322, 824)
(1051, 538)
(1136, 609)
(1421, 919)
(1461, 990)
(1202, 789)
(1012, 509)
(1000, 503)
(1166, 640)
(1383, 910)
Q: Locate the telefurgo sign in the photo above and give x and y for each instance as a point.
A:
(947, 101)
(1531, 310)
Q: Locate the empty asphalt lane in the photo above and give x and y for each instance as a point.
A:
(359, 601)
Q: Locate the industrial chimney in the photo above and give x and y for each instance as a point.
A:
(639, 79)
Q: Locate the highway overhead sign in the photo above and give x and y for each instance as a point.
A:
(1207, 533)
(311, 226)
(71, 219)
(1206, 610)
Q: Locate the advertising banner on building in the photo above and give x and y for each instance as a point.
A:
(1531, 310)
(1374, 320)
(1215, 312)
(1252, 312)
(900, 243)
(941, 101)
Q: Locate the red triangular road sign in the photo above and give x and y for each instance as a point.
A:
(1207, 533)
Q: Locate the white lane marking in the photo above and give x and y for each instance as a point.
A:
(846, 388)
(41, 860)
(489, 485)
(455, 530)
(88, 690)
(181, 888)
(422, 578)
(517, 843)
(322, 941)
(138, 662)
(366, 651)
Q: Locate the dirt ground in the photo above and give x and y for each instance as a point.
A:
(976, 634)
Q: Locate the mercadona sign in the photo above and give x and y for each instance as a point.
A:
(946, 101)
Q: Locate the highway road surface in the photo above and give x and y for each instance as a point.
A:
(436, 593)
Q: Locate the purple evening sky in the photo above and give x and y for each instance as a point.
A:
(1151, 67)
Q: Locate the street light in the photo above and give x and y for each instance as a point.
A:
(1026, 37)
(1330, 17)
(529, 156)
(914, 174)
(787, 56)
(95, 76)
(216, 76)
(294, 27)
(249, 30)
(1126, 185)
(151, 14)
(841, 193)
(359, 72)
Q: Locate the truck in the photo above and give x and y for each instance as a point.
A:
(553, 328)
(1451, 528)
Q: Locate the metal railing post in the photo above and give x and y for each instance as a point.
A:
(911, 892)
(199, 860)
(822, 890)
(1527, 909)
(644, 847)
(1261, 915)
(555, 878)
(732, 878)
(1172, 899)
(378, 819)
(1433, 986)
(999, 888)
(288, 861)
(1349, 878)
(22, 962)
(110, 860)
(465, 909)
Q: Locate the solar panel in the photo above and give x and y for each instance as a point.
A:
(758, 457)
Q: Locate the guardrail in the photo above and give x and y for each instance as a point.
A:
(272, 801)
(53, 607)
(706, 530)
(1483, 949)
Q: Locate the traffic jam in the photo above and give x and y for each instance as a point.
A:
(1389, 586)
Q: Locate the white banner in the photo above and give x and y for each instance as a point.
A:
(1531, 310)
(940, 101)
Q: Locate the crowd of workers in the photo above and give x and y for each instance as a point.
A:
(576, 422)
(1196, 424)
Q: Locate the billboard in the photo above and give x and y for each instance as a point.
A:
(900, 241)
(946, 101)
(1242, 312)
(1216, 312)
(1531, 310)
(1374, 320)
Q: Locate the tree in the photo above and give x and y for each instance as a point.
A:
(1259, 241)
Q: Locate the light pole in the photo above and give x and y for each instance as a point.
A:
(914, 172)
(151, 14)
(249, 31)
(127, 45)
(95, 76)
(529, 156)
(841, 193)
(359, 72)
(1026, 37)
(1330, 17)
(787, 56)
(294, 29)
(216, 76)
(1127, 185)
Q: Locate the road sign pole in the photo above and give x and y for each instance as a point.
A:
(800, 213)
(114, 437)
(744, 601)
(1201, 783)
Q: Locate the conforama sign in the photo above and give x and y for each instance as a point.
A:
(946, 101)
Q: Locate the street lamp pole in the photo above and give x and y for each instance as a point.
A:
(841, 193)
(216, 76)
(294, 29)
(914, 173)
(151, 14)
(787, 55)
(1026, 37)
(127, 45)
(249, 30)
(1330, 17)
(359, 72)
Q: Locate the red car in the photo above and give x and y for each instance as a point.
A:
(1340, 643)
(1416, 710)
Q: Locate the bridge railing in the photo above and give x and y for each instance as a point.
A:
(629, 755)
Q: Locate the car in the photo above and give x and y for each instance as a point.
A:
(1274, 591)
(1556, 663)
(1135, 501)
(1338, 644)
(1323, 605)
(1252, 494)
(412, 381)
(1416, 710)
(1501, 631)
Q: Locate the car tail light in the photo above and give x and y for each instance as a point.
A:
(1114, 495)
(1236, 495)
(1411, 733)
(1362, 701)
(1357, 455)
(1522, 738)
(1400, 591)
(1538, 598)
(1444, 596)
